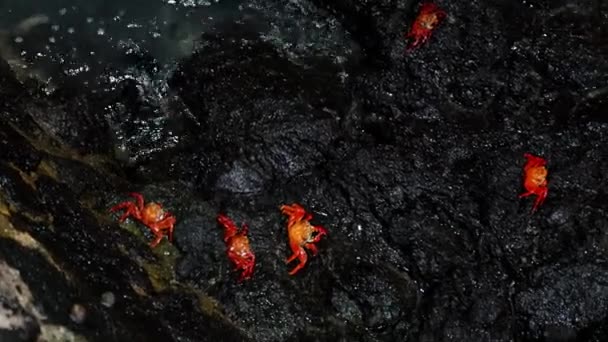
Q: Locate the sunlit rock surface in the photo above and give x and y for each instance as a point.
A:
(413, 162)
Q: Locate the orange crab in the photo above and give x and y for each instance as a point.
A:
(429, 17)
(159, 221)
(238, 248)
(301, 234)
(535, 179)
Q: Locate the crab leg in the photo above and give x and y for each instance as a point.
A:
(312, 248)
(131, 209)
(248, 270)
(157, 237)
(165, 224)
(139, 198)
(244, 229)
(302, 256)
(526, 194)
(540, 199)
(247, 266)
(295, 212)
(296, 249)
(230, 228)
(534, 161)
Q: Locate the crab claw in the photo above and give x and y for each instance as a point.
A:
(320, 233)
(230, 228)
(534, 161)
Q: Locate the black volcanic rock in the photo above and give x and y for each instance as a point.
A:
(412, 162)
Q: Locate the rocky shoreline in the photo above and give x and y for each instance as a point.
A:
(413, 162)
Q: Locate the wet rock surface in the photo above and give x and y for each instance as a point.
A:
(413, 162)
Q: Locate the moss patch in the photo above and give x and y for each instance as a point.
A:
(7, 230)
(47, 168)
(162, 272)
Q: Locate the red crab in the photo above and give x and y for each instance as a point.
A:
(429, 17)
(238, 248)
(535, 179)
(159, 221)
(300, 233)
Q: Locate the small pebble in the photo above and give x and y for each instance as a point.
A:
(78, 313)
(108, 299)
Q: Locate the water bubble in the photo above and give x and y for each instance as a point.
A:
(108, 299)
